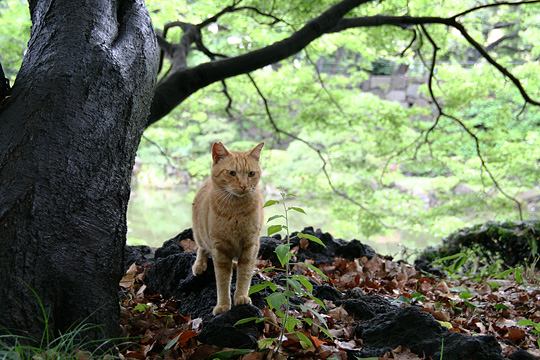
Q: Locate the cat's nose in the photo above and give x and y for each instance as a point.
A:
(243, 187)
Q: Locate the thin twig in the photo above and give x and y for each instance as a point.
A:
(499, 3)
(323, 85)
(162, 152)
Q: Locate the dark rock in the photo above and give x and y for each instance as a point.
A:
(267, 246)
(512, 242)
(220, 331)
(422, 264)
(365, 307)
(522, 355)
(169, 272)
(139, 255)
(367, 353)
(459, 346)
(333, 247)
(172, 246)
(420, 332)
(355, 249)
(355, 293)
(327, 292)
(171, 276)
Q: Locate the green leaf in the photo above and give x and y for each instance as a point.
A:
(319, 317)
(276, 300)
(265, 343)
(271, 218)
(270, 203)
(308, 321)
(305, 342)
(291, 323)
(171, 343)
(325, 331)
(295, 285)
(248, 319)
(500, 307)
(445, 324)
(527, 322)
(297, 209)
(230, 354)
(304, 281)
(272, 229)
(450, 257)
(141, 307)
(261, 286)
(283, 253)
(316, 270)
(311, 238)
(317, 301)
(518, 275)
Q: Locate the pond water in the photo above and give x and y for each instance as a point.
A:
(156, 215)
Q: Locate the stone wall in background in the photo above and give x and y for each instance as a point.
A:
(397, 87)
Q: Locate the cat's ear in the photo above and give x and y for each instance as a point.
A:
(219, 151)
(256, 151)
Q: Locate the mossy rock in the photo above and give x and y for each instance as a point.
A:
(514, 243)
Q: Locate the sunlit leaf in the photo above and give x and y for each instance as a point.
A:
(304, 281)
(297, 209)
(316, 270)
(283, 253)
(305, 342)
(272, 229)
(248, 320)
(270, 203)
(276, 300)
(272, 218)
(311, 238)
(261, 286)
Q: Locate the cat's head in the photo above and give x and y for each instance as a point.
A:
(236, 172)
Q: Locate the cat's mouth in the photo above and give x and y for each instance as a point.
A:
(240, 194)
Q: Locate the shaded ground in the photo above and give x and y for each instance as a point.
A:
(375, 307)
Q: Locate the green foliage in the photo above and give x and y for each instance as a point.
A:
(78, 342)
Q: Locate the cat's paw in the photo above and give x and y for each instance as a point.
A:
(218, 309)
(241, 299)
(198, 268)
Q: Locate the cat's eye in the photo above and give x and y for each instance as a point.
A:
(232, 173)
(251, 173)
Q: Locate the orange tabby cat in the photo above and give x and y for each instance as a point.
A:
(227, 218)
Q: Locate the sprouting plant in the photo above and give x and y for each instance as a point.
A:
(442, 349)
(294, 285)
(471, 263)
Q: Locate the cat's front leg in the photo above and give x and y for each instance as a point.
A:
(223, 270)
(244, 273)
(201, 262)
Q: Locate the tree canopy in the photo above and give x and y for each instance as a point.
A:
(348, 149)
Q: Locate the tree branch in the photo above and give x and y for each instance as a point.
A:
(496, 4)
(180, 85)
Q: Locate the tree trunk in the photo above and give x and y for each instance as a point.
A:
(68, 138)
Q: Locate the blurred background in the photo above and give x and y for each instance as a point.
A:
(360, 97)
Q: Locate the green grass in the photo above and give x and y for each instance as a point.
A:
(73, 344)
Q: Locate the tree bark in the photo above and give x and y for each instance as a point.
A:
(68, 138)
